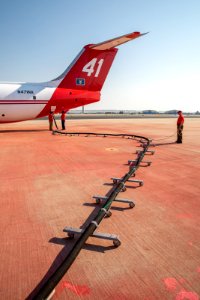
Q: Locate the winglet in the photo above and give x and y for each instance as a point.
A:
(109, 44)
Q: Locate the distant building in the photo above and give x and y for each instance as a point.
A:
(149, 112)
(171, 112)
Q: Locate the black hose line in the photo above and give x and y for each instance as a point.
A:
(61, 270)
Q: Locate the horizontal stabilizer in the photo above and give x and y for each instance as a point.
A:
(109, 44)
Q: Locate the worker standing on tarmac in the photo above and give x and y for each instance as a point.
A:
(63, 116)
(50, 120)
(180, 122)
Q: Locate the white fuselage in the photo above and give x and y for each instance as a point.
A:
(23, 101)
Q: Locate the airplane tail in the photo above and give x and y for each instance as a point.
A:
(90, 68)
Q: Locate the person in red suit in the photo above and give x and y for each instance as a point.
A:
(63, 116)
(180, 122)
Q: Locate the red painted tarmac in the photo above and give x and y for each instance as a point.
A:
(47, 183)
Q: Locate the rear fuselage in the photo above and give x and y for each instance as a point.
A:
(80, 84)
(26, 101)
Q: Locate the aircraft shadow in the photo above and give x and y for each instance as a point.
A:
(22, 130)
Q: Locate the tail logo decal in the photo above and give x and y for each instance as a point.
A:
(80, 81)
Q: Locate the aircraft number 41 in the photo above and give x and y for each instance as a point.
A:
(90, 66)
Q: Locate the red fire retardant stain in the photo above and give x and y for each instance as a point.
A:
(80, 290)
(184, 295)
(171, 284)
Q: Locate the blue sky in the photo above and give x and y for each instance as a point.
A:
(161, 70)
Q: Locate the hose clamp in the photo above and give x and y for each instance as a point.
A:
(95, 223)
